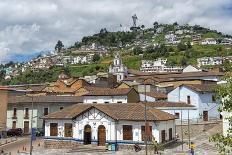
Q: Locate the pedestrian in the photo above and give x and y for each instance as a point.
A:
(192, 147)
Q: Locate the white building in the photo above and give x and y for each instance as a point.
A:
(226, 41)
(209, 61)
(172, 39)
(200, 96)
(209, 41)
(117, 68)
(19, 109)
(158, 65)
(179, 109)
(107, 95)
(99, 124)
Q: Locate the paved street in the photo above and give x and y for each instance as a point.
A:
(17, 146)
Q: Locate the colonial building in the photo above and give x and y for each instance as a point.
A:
(99, 124)
(117, 68)
(200, 96)
(19, 109)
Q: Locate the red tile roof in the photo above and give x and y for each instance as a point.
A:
(118, 111)
(109, 92)
(167, 104)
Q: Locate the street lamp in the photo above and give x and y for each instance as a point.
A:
(32, 107)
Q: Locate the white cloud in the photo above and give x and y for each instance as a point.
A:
(30, 25)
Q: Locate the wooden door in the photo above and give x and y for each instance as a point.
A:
(53, 129)
(170, 133)
(13, 124)
(87, 135)
(101, 135)
(26, 127)
(163, 135)
(205, 115)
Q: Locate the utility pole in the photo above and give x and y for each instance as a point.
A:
(32, 107)
(188, 129)
(182, 141)
(145, 108)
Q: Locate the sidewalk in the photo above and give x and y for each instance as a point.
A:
(5, 141)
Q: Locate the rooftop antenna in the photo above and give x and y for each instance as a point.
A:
(134, 18)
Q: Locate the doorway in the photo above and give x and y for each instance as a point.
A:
(101, 135)
(205, 115)
(170, 134)
(87, 134)
(26, 127)
(163, 136)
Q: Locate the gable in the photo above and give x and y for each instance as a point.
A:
(123, 85)
(93, 114)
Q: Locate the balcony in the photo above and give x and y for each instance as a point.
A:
(26, 117)
(14, 117)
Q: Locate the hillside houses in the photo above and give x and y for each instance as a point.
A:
(212, 61)
(209, 41)
(158, 65)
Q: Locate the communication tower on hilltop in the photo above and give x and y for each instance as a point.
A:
(134, 18)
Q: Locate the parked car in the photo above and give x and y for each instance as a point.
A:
(15, 132)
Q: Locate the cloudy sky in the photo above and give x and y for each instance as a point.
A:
(30, 26)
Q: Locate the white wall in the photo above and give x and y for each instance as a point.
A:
(103, 99)
(202, 101)
(148, 98)
(95, 118)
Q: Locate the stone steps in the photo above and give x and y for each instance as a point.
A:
(206, 146)
(88, 149)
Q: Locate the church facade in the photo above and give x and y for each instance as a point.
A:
(117, 68)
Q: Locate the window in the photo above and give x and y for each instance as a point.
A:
(149, 133)
(68, 132)
(45, 111)
(61, 108)
(177, 115)
(13, 124)
(94, 102)
(127, 132)
(119, 102)
(213, 98)
(15, 113)
(188, 100)
(26, 113)
(106, 102)
(53, 129)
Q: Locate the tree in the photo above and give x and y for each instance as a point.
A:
(96, 57)
(181, 47)
(59, 46)
(224, 94)
(137, 50)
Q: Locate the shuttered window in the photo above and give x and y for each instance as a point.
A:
(53, 129)
(127, 132)
(149, 133)
(68, 131)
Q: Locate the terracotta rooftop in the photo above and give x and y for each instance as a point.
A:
(45, 99)
(167, 104)
(158, 95)
(202, 87)
(109, 92)
(118, 111)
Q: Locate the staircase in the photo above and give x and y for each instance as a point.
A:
(88, 149)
